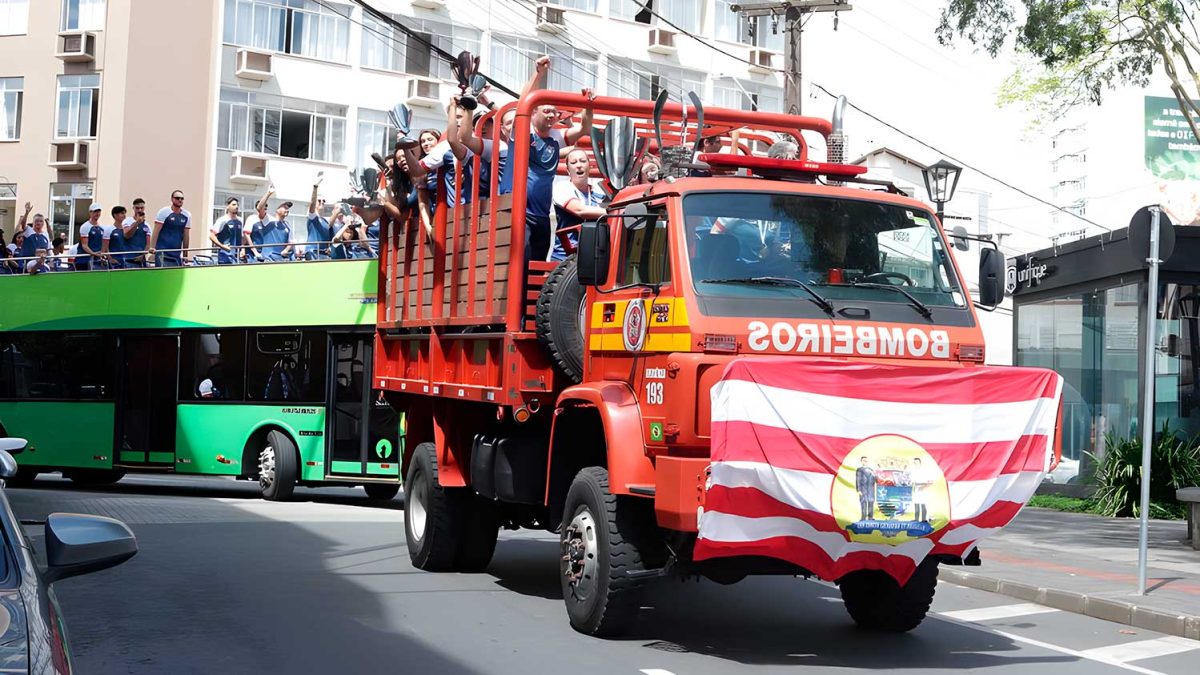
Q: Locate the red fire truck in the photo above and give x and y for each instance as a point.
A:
(574, 397)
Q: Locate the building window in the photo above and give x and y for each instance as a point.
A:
(82, 15)
(513, 58)
(375, 134)
(644, 80)
(271, 125)
(585, 5)
(11, 97)
(78, 106)
(389, 48)
(68, 208)
(682, 13)
(741, 95)
(8, 207)
(14, 17)
(320, 30)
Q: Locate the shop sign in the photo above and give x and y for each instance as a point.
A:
(1027, 272)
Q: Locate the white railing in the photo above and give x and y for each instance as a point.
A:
(240, 254)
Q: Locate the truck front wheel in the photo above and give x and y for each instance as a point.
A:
(603, 540)
(876, 602)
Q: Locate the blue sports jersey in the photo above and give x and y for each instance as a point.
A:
(32, 243)
(171, 234)
(96, 235)
(275, 236)
(543, 167)
(319, 232)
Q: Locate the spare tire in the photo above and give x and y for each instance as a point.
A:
(560, 317)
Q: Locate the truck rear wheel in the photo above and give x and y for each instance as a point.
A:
(602, 541)
(876, 602)
(446, 529)
(560, 318)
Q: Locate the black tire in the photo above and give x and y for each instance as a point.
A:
(23, 478)
(481, 527)
(876, 602)
(559, 317)
(383, 492)
(436, 519)
(603, 600)
(277, 480)
(94, 476)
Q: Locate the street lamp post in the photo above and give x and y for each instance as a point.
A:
(941, 179)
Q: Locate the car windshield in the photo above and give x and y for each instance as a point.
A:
(747, 245)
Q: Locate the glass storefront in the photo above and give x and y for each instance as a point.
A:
(1177, 370)
(1091, 340)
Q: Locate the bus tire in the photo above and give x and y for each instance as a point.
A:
(603, 540)
(876, 602)
(433, 515)
(277, 467)
(480, 529)
(560, 317)
(383, 492)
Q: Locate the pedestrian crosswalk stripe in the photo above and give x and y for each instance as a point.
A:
(1143, 649)
(999, 612)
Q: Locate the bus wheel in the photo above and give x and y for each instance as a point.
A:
(382, 491)
(876, 602)
(432, 515)
(602, 541)
(23, 478)
(277, 470)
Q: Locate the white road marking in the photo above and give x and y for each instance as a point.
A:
(655, 671)
(999, 612)
(1144, 649)
(1099, 658)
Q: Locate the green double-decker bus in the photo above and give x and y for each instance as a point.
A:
(258, 371)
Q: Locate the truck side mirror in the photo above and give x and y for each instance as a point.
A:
(594, 237)
(991, 277)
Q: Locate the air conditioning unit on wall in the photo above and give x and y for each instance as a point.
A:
(429, 4)
(69, 155)
(251, 169)
(551, 19)
(761, 60)
(254, 65)
(76, 46)
(424, 91)
(661, 41)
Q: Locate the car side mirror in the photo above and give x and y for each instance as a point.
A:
(8, 465)
(78, 544)
(594, 238)
(991, 277)
(13, 446)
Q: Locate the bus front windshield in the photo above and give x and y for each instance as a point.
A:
(759, 246)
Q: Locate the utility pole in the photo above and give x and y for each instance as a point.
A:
(793, 13)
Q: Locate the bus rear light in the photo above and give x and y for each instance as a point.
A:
(970, 353)
(726, 344)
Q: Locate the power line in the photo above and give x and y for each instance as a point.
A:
(965, 164)
(645, 5)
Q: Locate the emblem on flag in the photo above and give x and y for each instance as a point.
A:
(885, 489)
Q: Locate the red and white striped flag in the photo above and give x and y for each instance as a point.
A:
(839, 466)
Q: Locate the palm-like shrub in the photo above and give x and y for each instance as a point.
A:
(1174, 463)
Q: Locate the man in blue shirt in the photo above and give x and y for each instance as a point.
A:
(35, 239)
(320, 231)
(545, 144)
(116, 238)
(93, 240)
(172, 227)
(226, 233)
(274, 237)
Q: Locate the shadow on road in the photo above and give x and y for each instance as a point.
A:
(768, 621)
(218, 588)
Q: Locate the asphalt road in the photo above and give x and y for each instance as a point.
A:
(226, 583)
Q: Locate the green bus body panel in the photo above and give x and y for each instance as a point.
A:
(61, 434)
(209, 432)
(328, 293)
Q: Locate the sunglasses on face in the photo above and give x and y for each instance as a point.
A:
(177, 197)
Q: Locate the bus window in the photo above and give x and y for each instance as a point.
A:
(213, 366)
(287, 367)
(56, 366)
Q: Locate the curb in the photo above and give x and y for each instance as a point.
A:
(1119, 611)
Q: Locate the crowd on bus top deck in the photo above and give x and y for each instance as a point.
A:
(129, 241)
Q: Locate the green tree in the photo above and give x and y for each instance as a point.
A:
(1083, 48)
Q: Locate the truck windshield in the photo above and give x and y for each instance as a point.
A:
(844, 249)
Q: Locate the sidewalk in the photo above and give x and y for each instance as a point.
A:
(1088, 564)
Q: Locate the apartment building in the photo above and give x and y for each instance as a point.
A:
(107, 100)
(103, 101)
